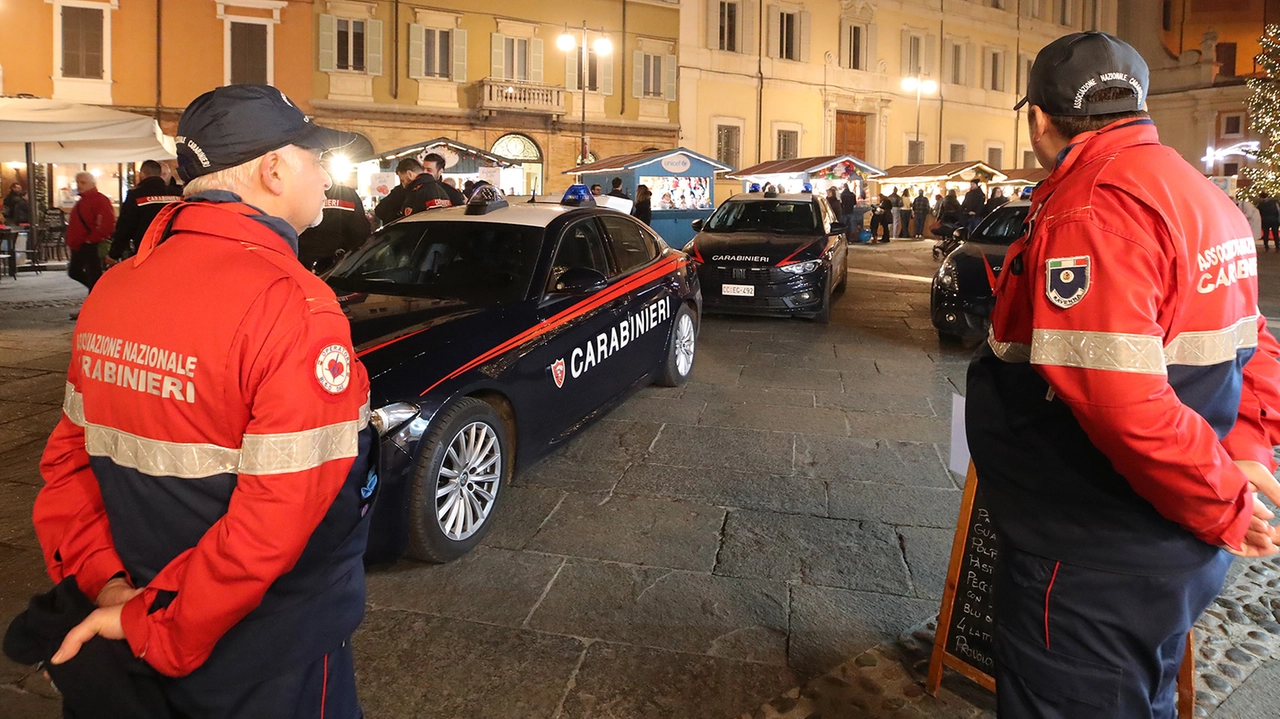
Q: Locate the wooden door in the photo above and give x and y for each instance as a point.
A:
(851, 134)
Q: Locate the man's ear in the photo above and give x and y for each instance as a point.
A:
(269, 172)
(1038, 122)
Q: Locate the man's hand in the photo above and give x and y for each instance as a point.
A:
(102, 622)
(1260, 539)
(116, 591)
(110, 261)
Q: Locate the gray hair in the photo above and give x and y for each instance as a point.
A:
(87, 177)
(233, 178)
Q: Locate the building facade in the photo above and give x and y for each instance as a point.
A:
(1201, 54)
(770, 80)
(404, 72)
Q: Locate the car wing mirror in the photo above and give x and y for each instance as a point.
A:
(579, 281)
(697, 225)
(838, 228)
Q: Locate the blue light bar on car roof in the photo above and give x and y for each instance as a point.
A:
(578, 196)
(755, 187)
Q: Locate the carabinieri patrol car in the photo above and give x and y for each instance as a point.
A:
(765, 253)
(492, 333)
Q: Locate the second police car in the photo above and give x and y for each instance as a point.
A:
(766, 253)
(492, 334)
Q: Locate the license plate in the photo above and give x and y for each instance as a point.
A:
(738, 290)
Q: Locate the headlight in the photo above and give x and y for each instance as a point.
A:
(802, 268)
(387, 418)
(947, 277)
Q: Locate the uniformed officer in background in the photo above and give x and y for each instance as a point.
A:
(1122, 414)
(344, 228)
(426, 191)
(139, 208)
(391, 207)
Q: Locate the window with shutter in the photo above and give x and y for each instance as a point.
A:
(728, 30)
(957, 64)
(995, 157)
(437, 53)
(351, 44)
(249, 49)
(856, 46)
(789, 36)
(82, 42)
(728, 141)
(515, 63)
(1029, 161)
(958, 150)
(788, 144)
(654, 79)
(915, 152)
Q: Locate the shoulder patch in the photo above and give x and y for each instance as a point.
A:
(333, 368)
(1067, 279)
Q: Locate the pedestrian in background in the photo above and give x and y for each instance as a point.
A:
(1124, 410)
(1251, 213)
(643, 209)
(920, 207)
(219, 521)
(952, 212)
(426, 192)
(974, 202)
(90, 225)
(616, 189)
(996, 200)
(16, 209)
(895, 212)
(848, 201)
(434, 164)
(882, 217)
(597, 190)
(139, 208)
(342, 229)
(833, 201)
(1269, 216)
(391, 207)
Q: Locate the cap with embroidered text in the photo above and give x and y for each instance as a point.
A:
(233, 124)
(1070, 68)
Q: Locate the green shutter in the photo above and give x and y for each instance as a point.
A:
(417, 52)
(459, 51)
(328, 42)
(535, 59)
(637, 73)
(497, 55)
(606, 74)
(670, 70)
(373, 47)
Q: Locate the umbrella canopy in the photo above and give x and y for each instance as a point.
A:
(66, 132)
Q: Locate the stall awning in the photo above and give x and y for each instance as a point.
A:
(636, 160)
(459, 149)
(1023, 177)
(804, 166)
(947, 171)
(61, 131)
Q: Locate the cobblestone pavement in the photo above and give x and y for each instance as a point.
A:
(752, 544)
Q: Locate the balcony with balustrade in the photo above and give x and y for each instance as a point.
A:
(516, 96)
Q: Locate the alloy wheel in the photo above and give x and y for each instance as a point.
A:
(467, 485)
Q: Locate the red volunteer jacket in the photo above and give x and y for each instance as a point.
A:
(92, 220)
(207, 440)
(1133, 300)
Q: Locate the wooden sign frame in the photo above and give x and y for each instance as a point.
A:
(941, 659)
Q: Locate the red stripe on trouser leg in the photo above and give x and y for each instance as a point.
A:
(1046, 603)
(324, 688)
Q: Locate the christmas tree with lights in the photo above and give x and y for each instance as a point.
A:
(1264, 117)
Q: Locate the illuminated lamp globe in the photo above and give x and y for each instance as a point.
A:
(602, 46)
(928, 87)
(565, 42)
(909, 84)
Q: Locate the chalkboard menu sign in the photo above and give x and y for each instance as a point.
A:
(965, 640)
(966, 630)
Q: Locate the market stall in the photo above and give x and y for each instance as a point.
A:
(375, 173)
(681, 180)
(819, 173)
(936, 179)
(1018, 180)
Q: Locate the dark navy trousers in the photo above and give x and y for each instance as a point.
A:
(1074, 642)
(324, 689)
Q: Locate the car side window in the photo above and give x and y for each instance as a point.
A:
(580, 247)
(628, 243)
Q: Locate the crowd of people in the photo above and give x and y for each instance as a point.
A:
(904, 216)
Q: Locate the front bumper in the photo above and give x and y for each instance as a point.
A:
(776, 292)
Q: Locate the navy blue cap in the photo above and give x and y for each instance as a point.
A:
(1074, 65)
(233, 124)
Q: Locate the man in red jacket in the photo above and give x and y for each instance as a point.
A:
(92, 221)
(1123, 412)
(210, 480)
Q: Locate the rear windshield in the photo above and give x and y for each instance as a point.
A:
(783, 216)
(478, 263)
(1002, 227)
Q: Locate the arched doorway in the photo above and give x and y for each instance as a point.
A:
(521, 147)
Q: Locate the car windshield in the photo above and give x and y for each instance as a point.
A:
(476, 262)
(790, 217)
(1001, 227)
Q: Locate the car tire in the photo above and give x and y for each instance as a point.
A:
(681, 348)
(844, 279)
(473, 429)
(823, 315)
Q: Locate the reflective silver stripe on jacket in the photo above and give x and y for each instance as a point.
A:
(260, 454)
(1202, 349)
(1121, 352)
(1114, 351)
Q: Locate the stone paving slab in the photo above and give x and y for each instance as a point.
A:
(569, 473)
(876, 502)
(727, 488)
(637, 530)
(829, 625)
(813, 550)
(414, 665)
(625, 682)
(811, 420)
(719, 447)
(523, 512)
(690, 612)
(871, 460)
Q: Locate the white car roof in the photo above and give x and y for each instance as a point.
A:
(517, 213)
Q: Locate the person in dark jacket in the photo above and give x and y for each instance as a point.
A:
(997, 199)
(920, 208)
(16, 209)
(643, 209)
(882, 217)
(434, 164)
(952, 212)
(616, 190)
(974, 201)
(1269, 210)
(426, 192)
(847, 202)
(343, 228)
(139, 208)
(895, 201)
(391, 207)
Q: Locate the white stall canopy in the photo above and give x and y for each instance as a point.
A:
(58, 131)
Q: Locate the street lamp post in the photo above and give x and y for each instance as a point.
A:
(603, 47)
(921, 86)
